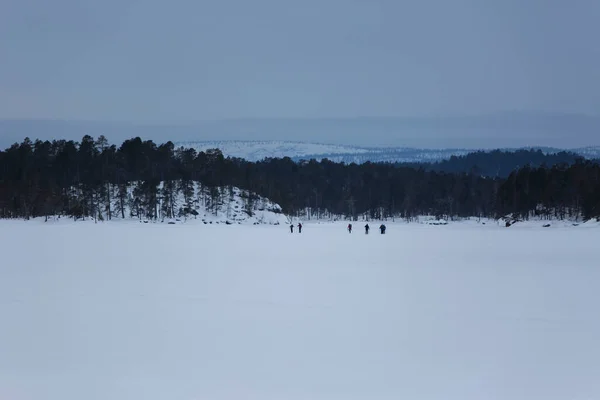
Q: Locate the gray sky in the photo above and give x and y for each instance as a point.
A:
(184, 60)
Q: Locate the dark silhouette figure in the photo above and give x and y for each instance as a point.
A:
(292, 228)
(382, 229)
(349, 228)
(299, 228)
(367, 229)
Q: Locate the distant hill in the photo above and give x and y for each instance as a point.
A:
(591, 152)
(258, 150)
(491, 131)
(499, 163)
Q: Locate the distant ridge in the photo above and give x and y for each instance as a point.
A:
(258, 150)
(492, 131)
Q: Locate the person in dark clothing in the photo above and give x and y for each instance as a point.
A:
(292, 228)
(299, 228)
(382, 229)
(367, 229)
(349, 228)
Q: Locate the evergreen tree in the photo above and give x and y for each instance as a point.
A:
(93, 179)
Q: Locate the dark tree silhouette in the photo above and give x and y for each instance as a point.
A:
(94, 179)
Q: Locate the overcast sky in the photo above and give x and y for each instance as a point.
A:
(186, 60)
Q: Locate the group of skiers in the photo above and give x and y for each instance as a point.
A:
(367, 228)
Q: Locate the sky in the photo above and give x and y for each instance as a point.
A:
(191, 60)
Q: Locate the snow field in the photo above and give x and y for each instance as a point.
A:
(189, 311)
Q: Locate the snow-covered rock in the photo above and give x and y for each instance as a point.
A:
(171, 204)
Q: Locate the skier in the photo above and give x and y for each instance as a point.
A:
(292, 228)
(367, 229)
(382, 228)
(349, 228)
(299, 228)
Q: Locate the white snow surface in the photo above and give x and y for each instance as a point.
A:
(125, 310)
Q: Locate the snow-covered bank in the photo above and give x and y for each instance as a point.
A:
(170, 202)
(153, 311)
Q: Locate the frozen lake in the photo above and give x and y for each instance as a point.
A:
(179, 312)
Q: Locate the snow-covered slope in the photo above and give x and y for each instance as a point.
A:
(258, 150)
(129, 311)
(406, 155)
(227, 205)
(233, 206)
(588, 152)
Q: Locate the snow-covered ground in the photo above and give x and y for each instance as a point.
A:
(126, 310)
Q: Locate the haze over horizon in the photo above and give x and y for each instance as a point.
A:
(186, 65)
(563, 131)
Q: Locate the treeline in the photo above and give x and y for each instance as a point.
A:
(499, 163)
(93, 178)
(561, 191)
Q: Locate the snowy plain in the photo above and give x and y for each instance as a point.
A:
(127, 310)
